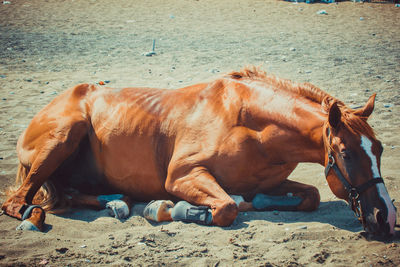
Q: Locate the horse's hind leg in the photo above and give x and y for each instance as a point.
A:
(42, 150)
(118, 205)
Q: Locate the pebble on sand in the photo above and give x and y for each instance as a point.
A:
(322, 12)
(150, 54)
(214, 70)
(62, 250)
(44, 262)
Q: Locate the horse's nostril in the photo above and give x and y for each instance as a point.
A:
(383, 226)
(379, 218)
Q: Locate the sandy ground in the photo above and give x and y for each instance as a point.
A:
(351, 52)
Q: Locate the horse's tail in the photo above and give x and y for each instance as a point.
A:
(22, 172)
(49, 196)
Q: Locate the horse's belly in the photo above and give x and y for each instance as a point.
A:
(131, 166)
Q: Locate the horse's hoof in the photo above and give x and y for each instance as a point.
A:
(156, 208)
(118, 209)
(104, 199)
(27, 226)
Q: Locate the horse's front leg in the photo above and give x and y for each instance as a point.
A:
(288, 196)
(204, 200)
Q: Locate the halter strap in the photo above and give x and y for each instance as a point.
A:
(368, 184)
(332, 164)
(353, 191)
(350, 189)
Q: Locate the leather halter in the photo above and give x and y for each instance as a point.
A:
(353, 191)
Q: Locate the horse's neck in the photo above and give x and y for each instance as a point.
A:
(290, 124)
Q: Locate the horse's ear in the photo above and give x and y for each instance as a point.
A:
(326, 103)
(366, 111)
(334, 115)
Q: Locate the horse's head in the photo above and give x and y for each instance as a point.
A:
(352, 160)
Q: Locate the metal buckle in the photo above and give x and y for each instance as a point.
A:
(354, 195)
(331, 160)
(355, 202)
(357, 212)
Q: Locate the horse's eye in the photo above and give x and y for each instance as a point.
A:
(345, 154)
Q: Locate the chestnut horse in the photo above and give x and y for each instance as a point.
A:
(219, 148)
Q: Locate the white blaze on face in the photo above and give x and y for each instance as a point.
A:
(366, 144)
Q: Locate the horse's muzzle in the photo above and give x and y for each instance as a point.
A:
(378, 213)
(375, 223)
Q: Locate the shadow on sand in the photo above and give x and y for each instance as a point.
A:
(334, 213)
(344, 218)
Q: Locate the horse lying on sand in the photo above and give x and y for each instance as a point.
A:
(218, 148)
